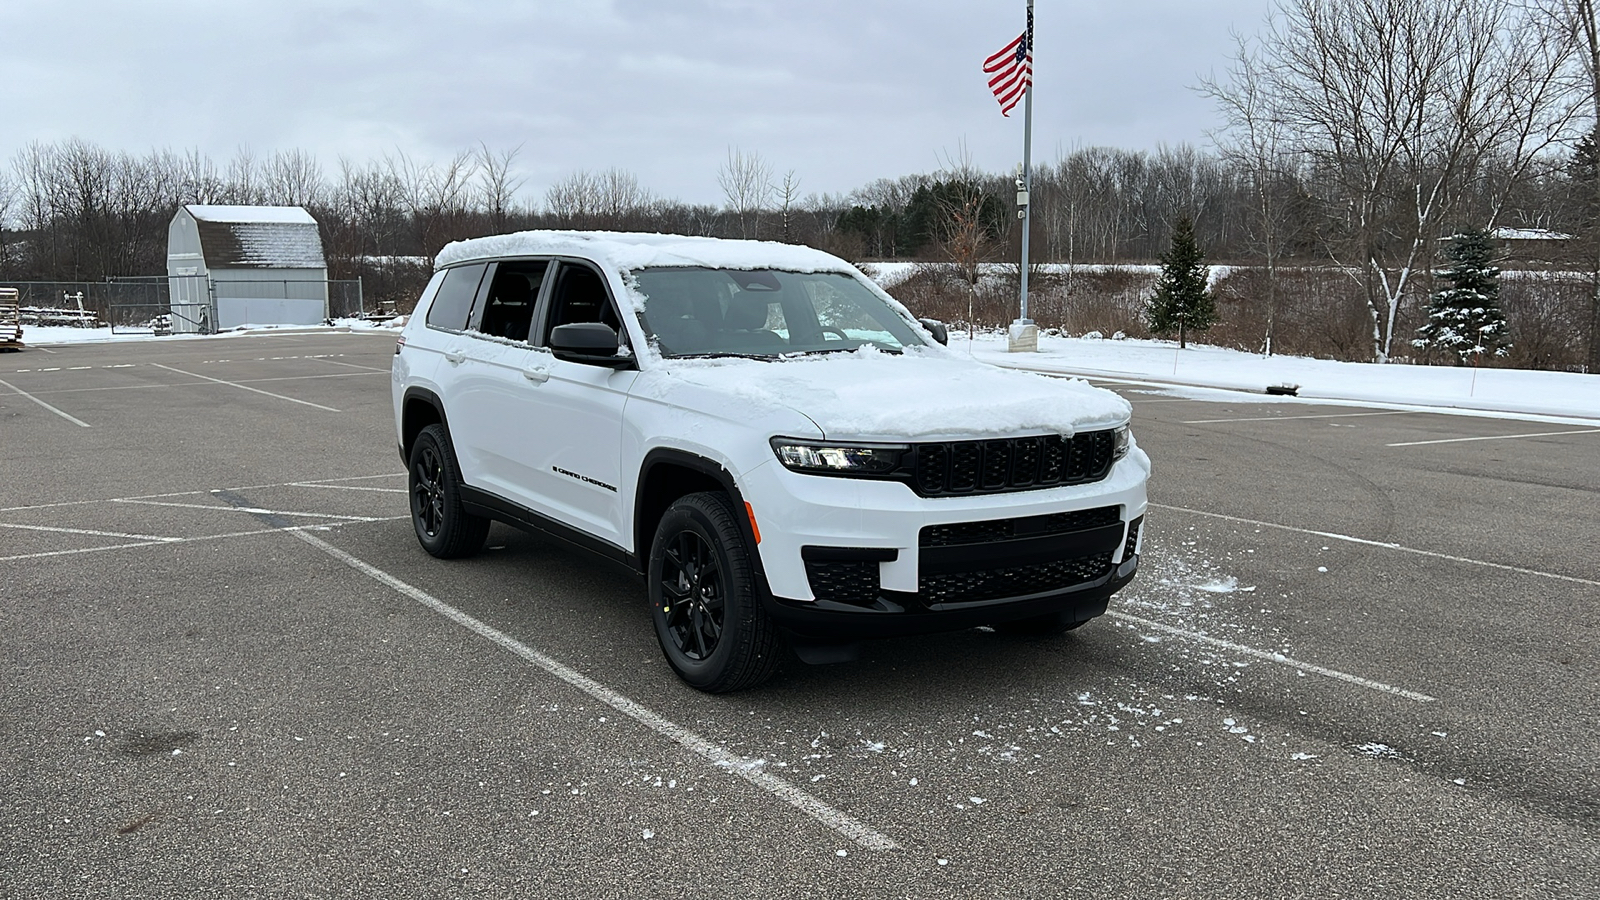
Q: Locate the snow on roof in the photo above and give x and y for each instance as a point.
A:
(628, 251)
(259, 214)
(1529, 234)
(258, 237)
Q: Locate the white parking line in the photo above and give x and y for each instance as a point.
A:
(252, 487)
(246, 509)
(1495, 437)
(1395, 412)
(335, 362)
(167, 542)
(240, 383)
(116, 534)
(349, 487)
(1278, 658)
(246, 388)
(732, 763)
(73, 419)
(1383, 544)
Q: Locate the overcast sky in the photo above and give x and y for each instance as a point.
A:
(840, 91)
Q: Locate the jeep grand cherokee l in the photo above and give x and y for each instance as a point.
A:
(787, 455)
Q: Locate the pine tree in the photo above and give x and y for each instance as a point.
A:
(1465, 319)
(1182, 302)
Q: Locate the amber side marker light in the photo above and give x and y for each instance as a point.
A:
(754, 528)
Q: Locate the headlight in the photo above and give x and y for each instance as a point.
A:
(827, 458)
(1119, 441)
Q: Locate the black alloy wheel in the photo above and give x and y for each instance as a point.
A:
(444, 527)
(692, 596)
(708, 617)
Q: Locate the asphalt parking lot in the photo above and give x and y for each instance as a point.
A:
(1360, 659)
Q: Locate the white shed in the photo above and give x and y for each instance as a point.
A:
(245, 265)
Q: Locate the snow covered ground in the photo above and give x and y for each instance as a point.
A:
(49, 335)
(1559, 396)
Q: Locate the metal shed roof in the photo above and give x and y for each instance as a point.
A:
(258, 237)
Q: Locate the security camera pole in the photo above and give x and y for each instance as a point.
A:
(1011, 79)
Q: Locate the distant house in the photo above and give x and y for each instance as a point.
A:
(1538, 245)
(245, 265)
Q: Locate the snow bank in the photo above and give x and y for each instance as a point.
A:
(1556, 394)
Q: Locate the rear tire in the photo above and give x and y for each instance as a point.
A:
(708, 617)
(444, 527)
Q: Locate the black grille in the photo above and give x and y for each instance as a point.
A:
(1012, 464)
(844, 581)
(1008, 529)
(990, 584)
(1133, 538)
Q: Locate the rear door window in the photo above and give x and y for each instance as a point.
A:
(507, 308)
(453, 304)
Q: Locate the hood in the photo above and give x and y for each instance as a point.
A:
(868, 395)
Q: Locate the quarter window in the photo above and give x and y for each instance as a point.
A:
(453, 303)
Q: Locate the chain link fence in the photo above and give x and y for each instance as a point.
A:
(160, 304)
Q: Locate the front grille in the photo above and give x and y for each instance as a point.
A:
(1010, 464)
(854, 582)
(1008, 529)
(990, 584)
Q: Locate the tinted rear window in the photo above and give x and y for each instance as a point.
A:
(453, 303)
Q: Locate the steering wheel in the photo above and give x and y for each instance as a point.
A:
(831, 329)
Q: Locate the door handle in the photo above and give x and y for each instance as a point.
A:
(455, 357)
(536, 375)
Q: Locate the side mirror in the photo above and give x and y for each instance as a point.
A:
(937, 329)
(591, 343)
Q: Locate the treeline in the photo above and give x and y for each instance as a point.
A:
(1353, 136)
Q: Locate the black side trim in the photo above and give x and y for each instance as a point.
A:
(849, 554)
(483, 503)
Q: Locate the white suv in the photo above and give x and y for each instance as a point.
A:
(787, 456)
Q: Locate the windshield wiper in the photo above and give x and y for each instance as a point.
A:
(724, 354)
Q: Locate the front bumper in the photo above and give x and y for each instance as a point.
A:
(850, 558)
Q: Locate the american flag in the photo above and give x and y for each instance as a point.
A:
(1011, 70)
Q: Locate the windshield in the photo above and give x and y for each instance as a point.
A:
(692, 311)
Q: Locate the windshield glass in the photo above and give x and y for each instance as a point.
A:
(692, 311)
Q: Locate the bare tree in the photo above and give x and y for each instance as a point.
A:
(244, 179)
(746, 181)
(574, 200)
(8, 198)
(497, 187)
(1399, 103)
(292, 178)
(1254, 140)
(788, 195)
(1580, 21)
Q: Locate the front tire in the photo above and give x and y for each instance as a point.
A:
(444, 527)
(708, 617)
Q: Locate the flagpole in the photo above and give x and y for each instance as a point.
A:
(1027, 176)
(1023, 334)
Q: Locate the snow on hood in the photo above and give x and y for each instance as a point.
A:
(868, 395)
(626, 251)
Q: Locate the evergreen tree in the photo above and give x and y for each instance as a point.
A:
(1464, 319)
(1182, 302)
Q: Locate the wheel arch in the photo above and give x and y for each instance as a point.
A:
(667, 474)
(419, 408)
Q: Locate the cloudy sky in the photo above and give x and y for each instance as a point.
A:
(840, 91)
